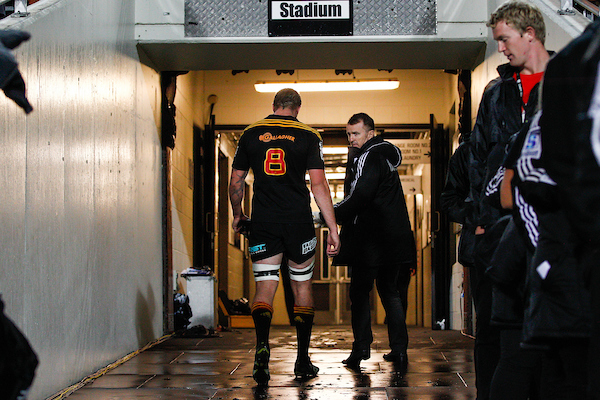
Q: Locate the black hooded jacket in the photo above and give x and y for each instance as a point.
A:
(498, 118)
(457, 203)
(374, 208)
(570, 131)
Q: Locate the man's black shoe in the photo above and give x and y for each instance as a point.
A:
(304, 369)
(396, 357)
(260, 372)
(353, 361)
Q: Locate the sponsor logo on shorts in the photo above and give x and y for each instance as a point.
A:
(259, 248)
(309, 246)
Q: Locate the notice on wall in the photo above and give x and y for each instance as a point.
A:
(415, 151)
(310, 18)
(411, 184)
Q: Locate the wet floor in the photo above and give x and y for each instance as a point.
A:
(220, 368)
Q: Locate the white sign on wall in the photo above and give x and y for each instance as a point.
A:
(411, 184)
(414, 151)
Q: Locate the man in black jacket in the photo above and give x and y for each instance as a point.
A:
(381, 245)
(508, 103)
(570, 137)
(457, 203)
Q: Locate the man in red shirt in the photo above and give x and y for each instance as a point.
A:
(508, 103)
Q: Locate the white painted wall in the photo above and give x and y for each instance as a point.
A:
(80, 198)
(189, 101)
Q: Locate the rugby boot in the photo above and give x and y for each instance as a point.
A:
(304, 369)
(260, 372)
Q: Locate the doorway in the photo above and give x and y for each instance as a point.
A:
(331, 283)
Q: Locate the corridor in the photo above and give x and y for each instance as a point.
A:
(219, 367)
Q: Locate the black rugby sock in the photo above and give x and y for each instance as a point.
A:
(303, 319)
(262, 313)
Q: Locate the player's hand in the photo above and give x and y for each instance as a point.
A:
(237, 222)
(333, 244)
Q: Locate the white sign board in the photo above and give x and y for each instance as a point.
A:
(411, 184)
(414, 151)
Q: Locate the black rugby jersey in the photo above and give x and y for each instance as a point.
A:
(279, 150)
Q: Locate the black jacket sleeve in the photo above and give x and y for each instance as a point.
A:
(455, 196)
(481, 138)
(363, 189)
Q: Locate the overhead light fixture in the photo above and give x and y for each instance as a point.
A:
(331, 176)
(335, 150)
(328, 86)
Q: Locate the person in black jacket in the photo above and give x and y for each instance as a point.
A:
(518, 373)
(570, 137)
(381, 244)
(556, 319)
(507, 104)
(457, 203)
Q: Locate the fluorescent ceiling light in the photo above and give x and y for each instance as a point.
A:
(328, 86)
(335, 176)
(331, 176)
(335, 150)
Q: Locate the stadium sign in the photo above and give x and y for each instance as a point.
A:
(310, 18)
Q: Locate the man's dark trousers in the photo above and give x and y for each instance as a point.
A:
(487, 337)
(360, 287)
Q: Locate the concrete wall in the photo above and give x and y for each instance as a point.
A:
(80, 198)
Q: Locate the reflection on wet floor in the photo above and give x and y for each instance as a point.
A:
(220, 368)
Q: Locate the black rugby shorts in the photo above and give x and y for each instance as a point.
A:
(296, 241)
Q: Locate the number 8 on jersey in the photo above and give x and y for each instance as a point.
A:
(275, 162)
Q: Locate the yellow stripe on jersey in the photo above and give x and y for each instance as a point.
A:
(283, 123)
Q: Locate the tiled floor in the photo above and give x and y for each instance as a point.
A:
(220, 368)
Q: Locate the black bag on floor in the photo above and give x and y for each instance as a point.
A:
(183, 311)
(18, 361)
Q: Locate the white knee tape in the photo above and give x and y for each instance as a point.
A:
(265, 272)
(302, 274)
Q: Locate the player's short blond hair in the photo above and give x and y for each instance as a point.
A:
(520, 15)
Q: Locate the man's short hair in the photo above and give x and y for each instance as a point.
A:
(287, 98)
(366, 120)
(520, 16)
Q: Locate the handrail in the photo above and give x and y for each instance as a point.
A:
(594, 9)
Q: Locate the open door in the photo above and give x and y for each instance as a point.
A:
(440, 229)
